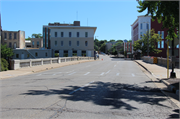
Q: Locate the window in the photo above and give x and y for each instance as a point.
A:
(9, 35)
(69, 43)
(141, 35)
(77, 34)
(86, 43)
(10, 44)
(36, 54)
(77, 43)
(158, 44)
(61, 43)
(5, 35)
(162, 33)
(162, 44)
(14, 35)
(37, 44)
(69, 34)
(27, 55)
(55, 43)
(147, 26)
(141, 25)
(159, 32)
(15, 45)
(46, 54)
(32, 44)
(62, 34)
(17, 55)
(55, 34)
(86, 34)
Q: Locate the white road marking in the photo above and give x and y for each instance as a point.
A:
(117, 74)
(87, 73)
(114, 65)
(108, 72)
(133, 75)
(102, 73)
(57, 73)
(81, 87)
(72, 73)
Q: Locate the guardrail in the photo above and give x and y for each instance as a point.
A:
(16, 64)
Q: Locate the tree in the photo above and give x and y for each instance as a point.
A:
(28, 38)
(142, 44)
(37, 35)
(4, 64)
(103, 47)
(166, 12)
(6, 52)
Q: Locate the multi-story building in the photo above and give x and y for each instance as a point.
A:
(69, 39)
(109, 45)
(128, 48)
(143, 24)
(14, 39)
(34, 43)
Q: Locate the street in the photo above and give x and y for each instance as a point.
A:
(111, 88)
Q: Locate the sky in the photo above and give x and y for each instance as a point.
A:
(113, 18)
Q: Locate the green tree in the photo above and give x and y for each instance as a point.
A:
(6, 52)
(166, 12)
(37, 35)
(149, 39)
(28, 38)
(4, 64)
(103, 47)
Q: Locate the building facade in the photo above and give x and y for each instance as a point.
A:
(34, 43)
(13, 39)
(69, 39)
(109, 45)
(128, 48)
(143, 24)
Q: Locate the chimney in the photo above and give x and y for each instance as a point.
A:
(76, 23)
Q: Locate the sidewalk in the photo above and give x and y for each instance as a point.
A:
(160, 73)
(30, 70)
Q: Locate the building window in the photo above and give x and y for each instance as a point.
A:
(15, 45)
(14, 35)
(86, 43)
(46, 54)
(69, 43)
(141, 25)
(141, 35)
(10, 35)
(32, 44)
(36, 54)
(27, 55)
(5, 35)
(86, 34)
(61, 43)
(162, 34)
(77, 34)
(159, 32)
(17, 55)
(162, 44)
(62, 34)
(147, 26)
(77, 43)
(69, 34)
(55, 34)
(177, 46)
(158, 44)
(10, 44)
(55, 43)
(37, 44)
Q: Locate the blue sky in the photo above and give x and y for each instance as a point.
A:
(113, 18)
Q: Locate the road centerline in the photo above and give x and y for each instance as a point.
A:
(87, 73)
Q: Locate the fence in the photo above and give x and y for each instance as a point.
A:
(16, 64)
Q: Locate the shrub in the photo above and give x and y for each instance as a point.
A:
(4, 64)
(56, 54)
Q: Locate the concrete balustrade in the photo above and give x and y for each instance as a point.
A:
(16, 64)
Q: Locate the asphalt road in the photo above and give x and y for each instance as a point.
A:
(111, 88)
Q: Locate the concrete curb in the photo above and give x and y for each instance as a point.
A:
(169, 86)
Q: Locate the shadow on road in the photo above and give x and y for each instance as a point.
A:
(116, 95)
